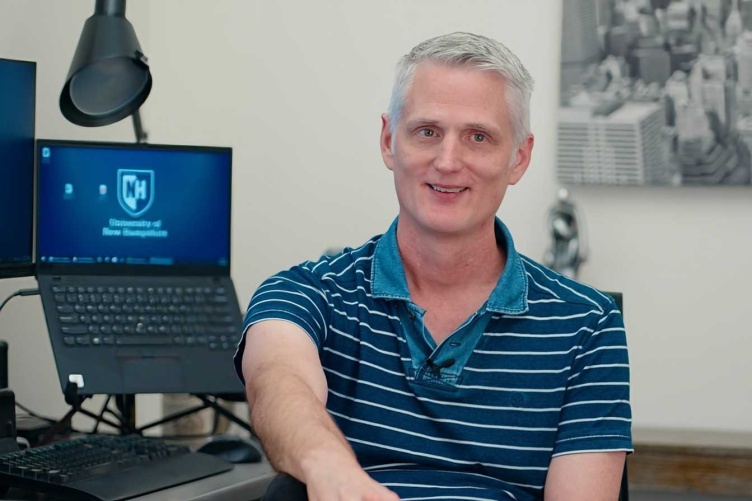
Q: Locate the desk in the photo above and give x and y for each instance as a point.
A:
(245, 482)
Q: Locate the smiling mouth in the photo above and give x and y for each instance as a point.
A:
(442, 189)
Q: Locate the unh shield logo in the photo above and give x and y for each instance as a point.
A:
(135, 190)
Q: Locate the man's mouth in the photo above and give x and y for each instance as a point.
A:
(445, 189)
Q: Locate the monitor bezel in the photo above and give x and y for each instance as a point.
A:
(46, 268)
(26, 268)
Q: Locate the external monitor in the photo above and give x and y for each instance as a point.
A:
(17, 103)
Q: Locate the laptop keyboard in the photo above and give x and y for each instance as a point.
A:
(145, 316)
(105, 467)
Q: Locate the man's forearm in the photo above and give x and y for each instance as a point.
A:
(296, 430)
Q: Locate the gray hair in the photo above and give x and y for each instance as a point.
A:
(458, 49)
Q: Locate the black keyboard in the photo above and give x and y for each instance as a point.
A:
(106, 467)
(146, 316)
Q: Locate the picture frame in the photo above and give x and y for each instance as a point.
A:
(655, 92)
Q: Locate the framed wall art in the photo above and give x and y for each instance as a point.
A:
(655, 92)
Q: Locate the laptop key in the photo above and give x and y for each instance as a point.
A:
(74, 329)
(150, 340)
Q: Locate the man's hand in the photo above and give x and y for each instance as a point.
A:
(333, 482)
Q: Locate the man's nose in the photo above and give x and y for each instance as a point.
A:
(449, 155)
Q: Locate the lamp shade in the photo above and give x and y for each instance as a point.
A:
(108, 79)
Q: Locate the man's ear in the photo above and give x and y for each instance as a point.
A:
(521, 159)
(386, 142)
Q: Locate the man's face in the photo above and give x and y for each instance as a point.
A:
(453, 153)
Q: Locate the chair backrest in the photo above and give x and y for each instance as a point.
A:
(624, 492)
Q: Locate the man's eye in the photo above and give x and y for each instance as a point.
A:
(427, 133)
(479, 138)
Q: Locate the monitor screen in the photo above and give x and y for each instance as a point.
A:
(17, 101)
(116, 207)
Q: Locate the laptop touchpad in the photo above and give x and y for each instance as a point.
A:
(150, 374)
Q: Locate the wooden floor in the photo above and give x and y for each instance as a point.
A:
(691, 466)
(682, 496)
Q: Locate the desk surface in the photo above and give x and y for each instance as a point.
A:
(243, 483)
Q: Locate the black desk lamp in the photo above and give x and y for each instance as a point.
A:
(108, 79)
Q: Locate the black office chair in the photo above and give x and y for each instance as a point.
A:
(624, 492)
(285, 487)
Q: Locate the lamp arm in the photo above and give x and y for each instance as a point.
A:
(138, 128)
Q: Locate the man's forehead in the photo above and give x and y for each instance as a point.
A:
(420, 111)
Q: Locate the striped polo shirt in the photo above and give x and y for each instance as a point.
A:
(540, 370)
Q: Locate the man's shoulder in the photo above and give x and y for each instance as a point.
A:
(345, 265)
(547, 285)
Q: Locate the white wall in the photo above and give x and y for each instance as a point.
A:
(296, 88)
(47, 32)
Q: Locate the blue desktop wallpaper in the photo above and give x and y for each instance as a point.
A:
(179, 215)
(17, 82)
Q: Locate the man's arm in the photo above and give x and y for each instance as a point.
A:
(594, 476)
(287, 391)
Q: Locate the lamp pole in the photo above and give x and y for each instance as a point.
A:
(138, 127)
(110, 8)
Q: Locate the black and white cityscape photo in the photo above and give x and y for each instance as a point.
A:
(656, 92)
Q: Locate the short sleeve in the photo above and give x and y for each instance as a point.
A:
(295, 296)
(596, 415)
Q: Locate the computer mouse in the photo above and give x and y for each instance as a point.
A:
(232, 449)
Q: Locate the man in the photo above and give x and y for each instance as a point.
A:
(435, 362)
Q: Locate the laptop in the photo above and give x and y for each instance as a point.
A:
(133, 266)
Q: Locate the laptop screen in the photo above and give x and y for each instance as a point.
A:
(132, 208)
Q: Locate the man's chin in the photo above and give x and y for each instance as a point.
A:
(447, 227)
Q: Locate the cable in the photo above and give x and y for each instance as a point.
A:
(101, 414)
(34, 414)
(20, 292)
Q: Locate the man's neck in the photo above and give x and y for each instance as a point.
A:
(441, 264)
